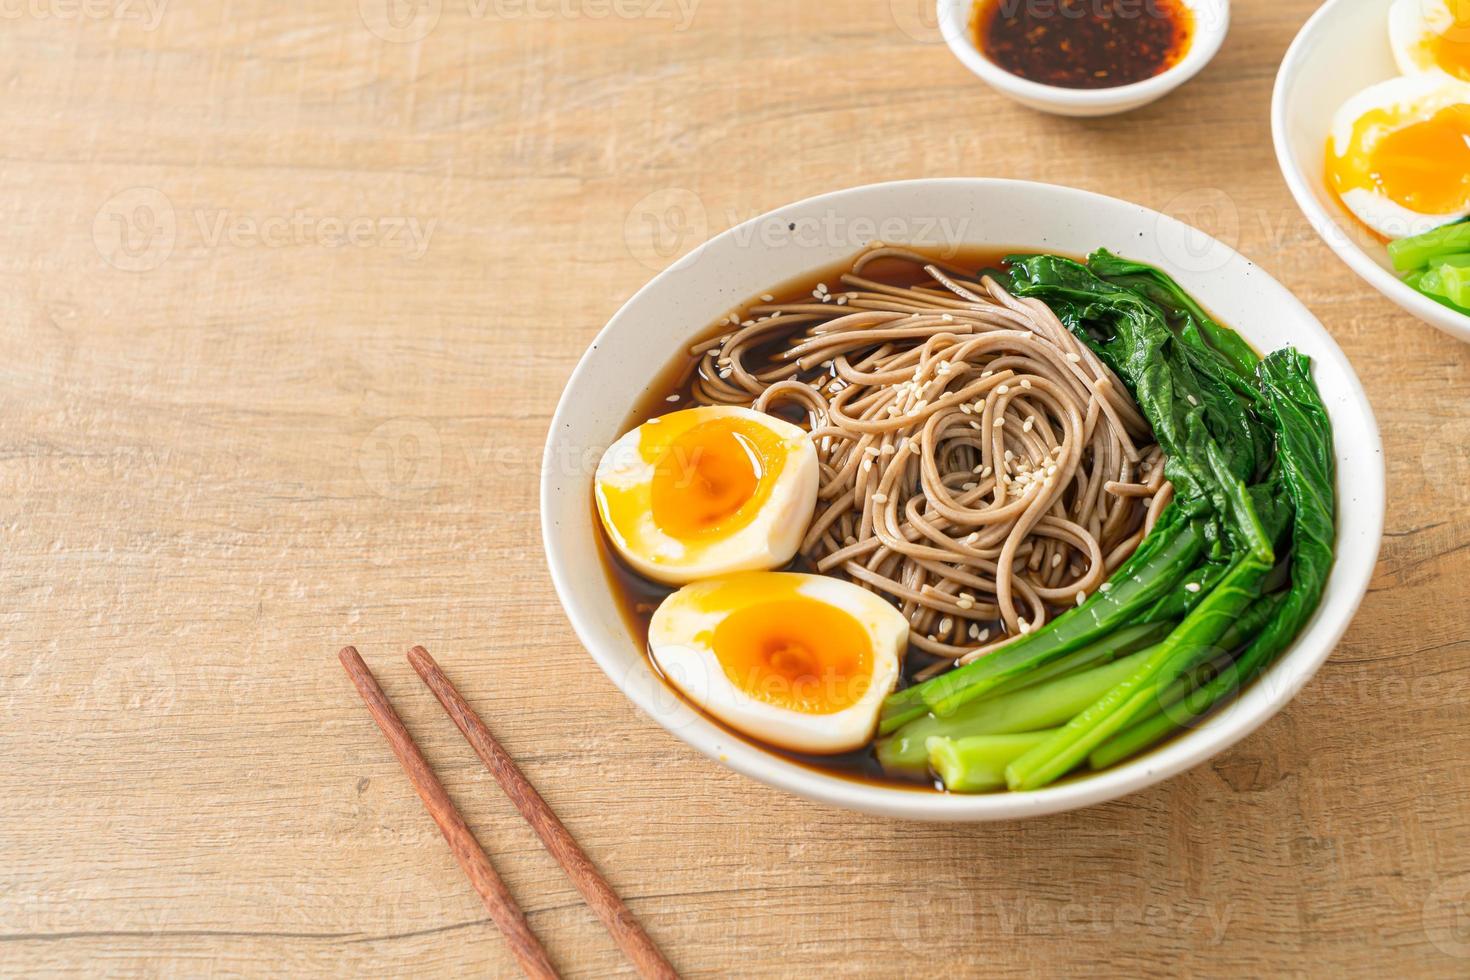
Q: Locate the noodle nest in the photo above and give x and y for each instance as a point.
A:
(979, 464)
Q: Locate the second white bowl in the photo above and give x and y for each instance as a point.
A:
(1341, 51)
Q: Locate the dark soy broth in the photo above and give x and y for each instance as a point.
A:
(638, 597)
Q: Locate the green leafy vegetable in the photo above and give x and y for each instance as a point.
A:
(1437, 263)
(1249, 453)
(1039, 706)
(1305, 449)
(978, 763)
(1409, 254)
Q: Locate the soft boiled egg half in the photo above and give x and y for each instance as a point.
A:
(802, 662)
(1431, 35)
(1399, 154)
(708, 491)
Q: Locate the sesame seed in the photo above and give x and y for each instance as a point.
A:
(1081, 598)
(1002, 389)
(1191, 587)
(1075, 359)
(842, 301)
(1105, 587)
(1029, 423)
(946, 624)
(1000, 422)
(967, 408)
(1192, 400)
(1026, 383)
(672, 398)
(1024, 626)
(970, 486)
(767, 298)
(947, 318)
(974, 425)
(964, 603)
(987, 471)
(974, 632)
(880, 498)
(1056, 560)
(973, 537)
(984, 635)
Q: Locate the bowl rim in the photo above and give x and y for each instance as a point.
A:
(954, 19)
(1262, 701)
(1325, 223)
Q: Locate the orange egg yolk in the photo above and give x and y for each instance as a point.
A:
(796, 653)
(712, 478)
(1424, 166)
(1451, 50)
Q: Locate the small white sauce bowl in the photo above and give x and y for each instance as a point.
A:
(676, 308)
(1341, 51)
(1211, 23)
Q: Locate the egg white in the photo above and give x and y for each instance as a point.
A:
(1415, 98)
(1412, 25)
(769, 540)
(678, 640)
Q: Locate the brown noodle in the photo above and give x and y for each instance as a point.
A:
(979, 464)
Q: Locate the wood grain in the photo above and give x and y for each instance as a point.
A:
(231, 442)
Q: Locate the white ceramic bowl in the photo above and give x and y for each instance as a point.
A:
(1212, 22)
(1341, 51)
(679, 304)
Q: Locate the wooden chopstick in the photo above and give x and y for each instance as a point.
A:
(626, 932)
(467, 851)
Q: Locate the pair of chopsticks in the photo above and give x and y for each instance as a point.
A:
(504, 911)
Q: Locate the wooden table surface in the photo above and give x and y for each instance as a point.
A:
(289, 294)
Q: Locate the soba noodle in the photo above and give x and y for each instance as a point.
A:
(979, 464)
